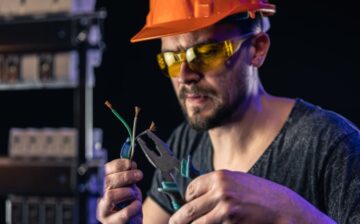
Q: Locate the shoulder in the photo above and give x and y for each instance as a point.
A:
(322, 136)
(317, 123)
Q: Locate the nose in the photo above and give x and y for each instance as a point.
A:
(188, 76)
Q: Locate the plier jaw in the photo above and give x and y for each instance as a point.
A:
(165, 161)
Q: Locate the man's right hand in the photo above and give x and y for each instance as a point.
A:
(119, 187)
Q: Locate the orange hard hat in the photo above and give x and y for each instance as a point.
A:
(171, 17)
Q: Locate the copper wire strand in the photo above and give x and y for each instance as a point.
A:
(152, 127)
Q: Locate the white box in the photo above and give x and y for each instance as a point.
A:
(17, 144)
(48, 143)
(32, 143)
(67, 142)
(66, 67)
(37, 7)
(29, 68)
(10, 7)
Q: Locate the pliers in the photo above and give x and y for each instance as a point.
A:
(168, 165)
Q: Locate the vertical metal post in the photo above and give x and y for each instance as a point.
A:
(83, 122)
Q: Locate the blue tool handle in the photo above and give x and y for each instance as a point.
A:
(171, 190)
(187, 169)
(126, 149)
(124, 154)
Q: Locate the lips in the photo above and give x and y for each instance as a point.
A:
(196, 95)
(196, 98)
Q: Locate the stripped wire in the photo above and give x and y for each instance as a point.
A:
(108, 104)
(137, 111)
(152, 127)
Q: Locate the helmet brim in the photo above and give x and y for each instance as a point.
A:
(188, 25)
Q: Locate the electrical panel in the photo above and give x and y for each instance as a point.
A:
(52, 45)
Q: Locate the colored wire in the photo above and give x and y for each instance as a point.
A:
(108, 104)
(137, 111)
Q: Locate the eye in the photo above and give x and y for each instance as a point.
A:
(211, 49)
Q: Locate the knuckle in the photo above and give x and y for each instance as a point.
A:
(219, 176)
(124, 178)
(225, 196)
(128, 177)
(107, 182)
(117, 165)
(126, 214)
(125, 164)
(109, 196)
(221, 182)
(190, 211)
(220, 192)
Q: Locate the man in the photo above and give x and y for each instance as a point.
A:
(264, 159)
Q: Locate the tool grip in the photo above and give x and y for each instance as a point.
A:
(187, 169)
(171, 190)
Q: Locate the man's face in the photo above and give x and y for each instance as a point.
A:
(212, 98)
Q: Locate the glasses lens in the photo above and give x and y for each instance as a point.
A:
(209, 56)
(170, 62)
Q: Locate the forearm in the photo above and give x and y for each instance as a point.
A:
(153, 213)
(299, 210)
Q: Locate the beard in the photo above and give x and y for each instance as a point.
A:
(222, 110)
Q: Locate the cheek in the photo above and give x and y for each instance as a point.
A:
(229, 88)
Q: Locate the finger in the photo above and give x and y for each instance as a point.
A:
(214, 216)
(137, 220)
(122, 179)
(106, 205)
(138, 193)
(231, 213)
(118, 165)
(126, 214)
(200, 185)
(194, 209)
(133, 165)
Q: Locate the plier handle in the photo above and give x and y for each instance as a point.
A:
(164, 160)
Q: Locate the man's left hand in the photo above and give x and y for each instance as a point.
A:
(235, 197)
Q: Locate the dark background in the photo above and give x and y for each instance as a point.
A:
(314, 55)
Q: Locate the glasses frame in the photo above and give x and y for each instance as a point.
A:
(189, 55)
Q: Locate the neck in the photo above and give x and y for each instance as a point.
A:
(240, 143)
(236, 134)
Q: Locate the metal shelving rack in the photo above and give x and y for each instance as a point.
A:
(64, 32)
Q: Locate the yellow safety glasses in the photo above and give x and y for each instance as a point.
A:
(199, 58)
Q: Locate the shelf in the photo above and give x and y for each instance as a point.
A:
(32, 86)
(63, 32)
(45, 176)
(37, 177)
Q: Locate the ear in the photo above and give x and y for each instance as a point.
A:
(260, 44)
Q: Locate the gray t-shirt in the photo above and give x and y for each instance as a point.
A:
(316, 154)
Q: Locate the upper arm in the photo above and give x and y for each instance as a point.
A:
(153, 213)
